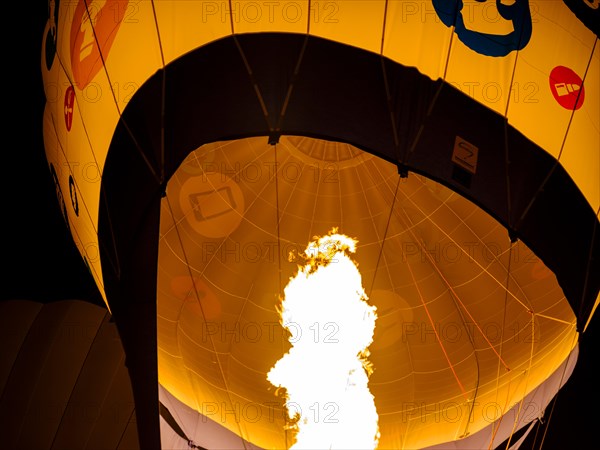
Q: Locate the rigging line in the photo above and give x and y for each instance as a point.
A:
(73, 230)
(288, 95)
(506, 155)
(382, 187)
(562, 377)
(466, 253)
(437, 336)
(82, 124)
(579, 92)
(176, 411)
(363, 191)
(308, 17)
(278, 218)
(129, 132)
(339, 186)
(294, 186)
(457, 298)
(452, 33)
(197, 295)
(388, 95)
(312, 234)
(496, 425)
(167, 416)
(507, 177)
(10, 373)
(385, 11)
(587, 277)
(81, 369)
(207, 382)
(472, 407)
(181, 306)
(555, 319)
(261, 100)
(222, 196)
(546, 425)
(129, 422)
(25, 339)
(386, 84)
(115, 264)
(385, 232)
(163, 99)
(468, 332)
(114, 375)
(522, 401)
(510, 87)
(537, 429)
(512, 77)
(231, 18)
(160, 46)
(411, 148)
(121, 364)
(472, 341)
(562, 146)
(42, 361)
(215, 253)
(66, 73)
(428, 312)
(280, 284)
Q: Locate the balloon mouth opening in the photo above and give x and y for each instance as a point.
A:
(466, 319)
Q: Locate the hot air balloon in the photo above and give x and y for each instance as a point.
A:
(200, 148)
(63, 381)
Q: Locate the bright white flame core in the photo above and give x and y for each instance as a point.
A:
(325, 373)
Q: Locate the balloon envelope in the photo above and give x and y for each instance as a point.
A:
(196, 145)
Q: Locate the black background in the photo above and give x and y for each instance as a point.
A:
(40, 262)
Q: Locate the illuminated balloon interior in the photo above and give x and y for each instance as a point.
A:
(468, 323)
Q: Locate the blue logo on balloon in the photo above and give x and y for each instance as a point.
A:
(451, 14)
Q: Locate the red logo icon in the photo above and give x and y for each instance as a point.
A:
(567, 88)
(69, 102)
(93, 32)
